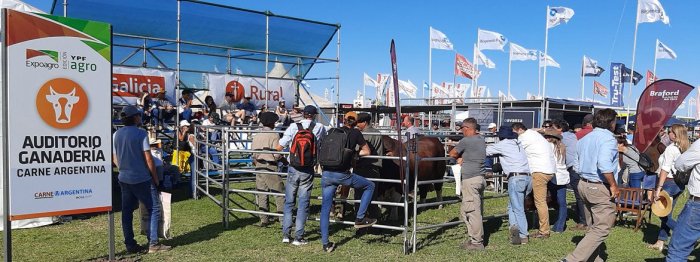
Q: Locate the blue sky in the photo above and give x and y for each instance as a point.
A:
(369, 26)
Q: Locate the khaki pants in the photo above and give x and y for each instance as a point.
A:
(471, 208)
(268, 183)
(600, 215)
(539, 192)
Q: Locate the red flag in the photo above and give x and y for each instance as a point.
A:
(656, 105)
(651, 78)
(463, 67)
(599, 89)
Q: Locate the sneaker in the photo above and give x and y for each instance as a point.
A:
(365, 222)
(158, 248)
(523, 241)
(329, 247)
(285, 240)
(540, 235)
(134, 249)
(515, 235)
(300, 242)
(468, 245)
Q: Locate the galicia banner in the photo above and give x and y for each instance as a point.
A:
(253, 87)
(129, 82)
(617, 87)
(59, 123)
(656, 105)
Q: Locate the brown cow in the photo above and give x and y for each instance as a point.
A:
(428, 170)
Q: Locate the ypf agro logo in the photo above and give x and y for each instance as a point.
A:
(237, 89)
(33, 59)
(62, 103)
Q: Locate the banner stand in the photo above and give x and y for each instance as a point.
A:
(7, 226)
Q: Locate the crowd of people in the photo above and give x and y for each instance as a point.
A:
(594, 159)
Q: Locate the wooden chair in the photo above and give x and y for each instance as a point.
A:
(632, 200)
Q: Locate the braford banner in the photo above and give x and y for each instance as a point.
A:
(129, 82)
(656, 105)
(59, 115)
(253, 87)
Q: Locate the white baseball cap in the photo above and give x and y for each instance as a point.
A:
(492, 125)
(184, 123)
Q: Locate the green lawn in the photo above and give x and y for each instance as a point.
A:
(200, 236)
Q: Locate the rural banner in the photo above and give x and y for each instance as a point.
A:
(617, 87)
(59, 115)
(656, 105)
(129, 82)
(253, 87)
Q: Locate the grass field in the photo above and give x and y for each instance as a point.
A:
(199, 236)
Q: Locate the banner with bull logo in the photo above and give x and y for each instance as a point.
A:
(253, 87)
(59, 118)
(656, 105)
(129, 82)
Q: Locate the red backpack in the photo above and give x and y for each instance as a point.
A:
(302, 153)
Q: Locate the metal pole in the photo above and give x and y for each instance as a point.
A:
(510, 61)
(226, 177)
(143, 63)
(634, 50)
(430, 67)
(7, 225)
(65, 8)
(177, 81)
(656, 50)
(337, 76)
(111, 235)
(546, 40)
(476, 64)
(415, 200)
(228, 62)
(583, 67)
(539, 73)
(267, 55)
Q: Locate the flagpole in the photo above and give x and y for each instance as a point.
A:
(634, 50)
(583, 69)
(430, 68)
(546, 40)
(476, 63)
(539, 74)
(656, 53)
(510, 60)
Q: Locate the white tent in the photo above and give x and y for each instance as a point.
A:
(36, 222)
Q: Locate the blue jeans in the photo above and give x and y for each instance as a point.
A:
(299, 184)
(684, 238)
(160, 116)
(329, 183)
(580, 213)
(560, 192)
(132, 194)
(186, 115)
(518, 188)
(635, 179)
(667, 223)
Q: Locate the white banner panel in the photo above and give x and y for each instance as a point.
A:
(59, 120)
(128, 83)
(252, 87)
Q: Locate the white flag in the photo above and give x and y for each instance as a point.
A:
(489, 40)
(502, 96)
(590, 66)
(368, 81)
(461, 90)
(407, 88)
(519, 53)
(547, 61)
(663, 52)
(511, 98)
(650, 11)
(488, 92)
(557, 15)
(528, 96)
(438, 40)
(481, 59)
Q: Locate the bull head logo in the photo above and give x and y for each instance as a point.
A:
(62, 104)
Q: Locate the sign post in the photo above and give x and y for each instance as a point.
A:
(56, 122)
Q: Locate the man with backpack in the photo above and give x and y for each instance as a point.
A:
(302, 139)
(336, 157)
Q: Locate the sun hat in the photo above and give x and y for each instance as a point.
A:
(663, 206)
(184, 123)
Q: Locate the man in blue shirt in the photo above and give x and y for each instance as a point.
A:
(514, 162)
(137, 178)
(596, 163)
(299, 181)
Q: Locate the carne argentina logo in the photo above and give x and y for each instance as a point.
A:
(48, 64)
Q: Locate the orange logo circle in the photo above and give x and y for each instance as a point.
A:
(62, 103)
(237, 89)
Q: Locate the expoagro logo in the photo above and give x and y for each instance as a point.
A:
(237, 89)
(48, 64)
(62, 103)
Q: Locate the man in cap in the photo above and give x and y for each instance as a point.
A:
(336, 176)
(137, 178)
(597, 164)
(369, 168)
(299, 181)
(490, 136)
(268, 163)
(514, 162)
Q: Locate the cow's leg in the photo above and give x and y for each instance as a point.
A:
(438, 192)
(423, 193)
(394, 210)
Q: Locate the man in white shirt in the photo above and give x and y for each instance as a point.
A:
(687, 232)
(410, 128)
(540, 158)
